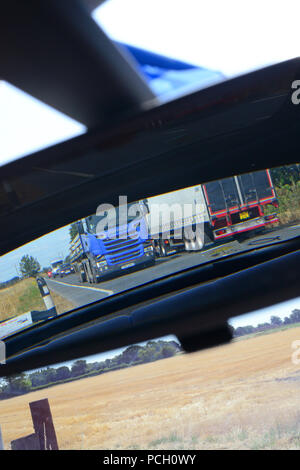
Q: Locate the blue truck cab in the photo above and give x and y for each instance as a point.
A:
(104, 251)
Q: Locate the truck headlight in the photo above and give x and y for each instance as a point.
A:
(101, 264)
(148, 249)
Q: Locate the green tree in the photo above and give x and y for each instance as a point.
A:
(63, 373)
(276, 321)
(79, 368)
(73, 230)
(18, 383)
(130, 354)
(168, 351)
(263, 326)
(295, 316)
(285, 175)
(29, 266)
(37, 378)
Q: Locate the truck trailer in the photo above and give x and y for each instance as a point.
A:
(220, 210)
(55, 265)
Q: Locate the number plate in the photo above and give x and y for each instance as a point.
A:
(244, 215)
(125, 266)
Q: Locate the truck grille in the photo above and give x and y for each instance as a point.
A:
(120, 251)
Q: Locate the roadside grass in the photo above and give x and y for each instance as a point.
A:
(20, 298)
(172, 438)
(289, 199)
(289, 216)
(25, 296)
(61, 303)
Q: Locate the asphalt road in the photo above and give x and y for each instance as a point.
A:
(83, 293)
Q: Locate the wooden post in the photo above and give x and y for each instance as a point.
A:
(1, 441)
(43, 424)
(30, 442)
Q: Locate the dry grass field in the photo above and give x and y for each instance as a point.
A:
(25, 296)
(20, 298)
(241, 396)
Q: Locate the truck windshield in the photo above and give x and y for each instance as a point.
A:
(174, 231)
(114, 217)
(55, 264)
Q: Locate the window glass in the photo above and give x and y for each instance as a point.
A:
(119, 248)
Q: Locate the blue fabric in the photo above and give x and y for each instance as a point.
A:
(170, 78)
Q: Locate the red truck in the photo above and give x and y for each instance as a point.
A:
(236, 205)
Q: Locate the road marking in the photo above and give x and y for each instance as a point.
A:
(216, 250)
(106, 291)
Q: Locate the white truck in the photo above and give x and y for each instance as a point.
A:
(188, 219)
(55, 265)
(176, 221)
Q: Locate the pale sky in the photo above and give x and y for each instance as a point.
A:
(231, 36)
(48, 248)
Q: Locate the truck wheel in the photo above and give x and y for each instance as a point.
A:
(94, 276)
(208, 235)
(194, 245)
(87, 274)
(162, 248)
(91, 279)
(156, 248)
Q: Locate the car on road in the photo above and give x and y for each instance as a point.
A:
(65, 269)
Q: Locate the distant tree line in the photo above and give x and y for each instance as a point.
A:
(133, 355)
(275, 322)
(285, 175)
(28, 267)
(286, 180)
(9, 282)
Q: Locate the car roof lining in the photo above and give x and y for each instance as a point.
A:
(39, 190)
(57, 53)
